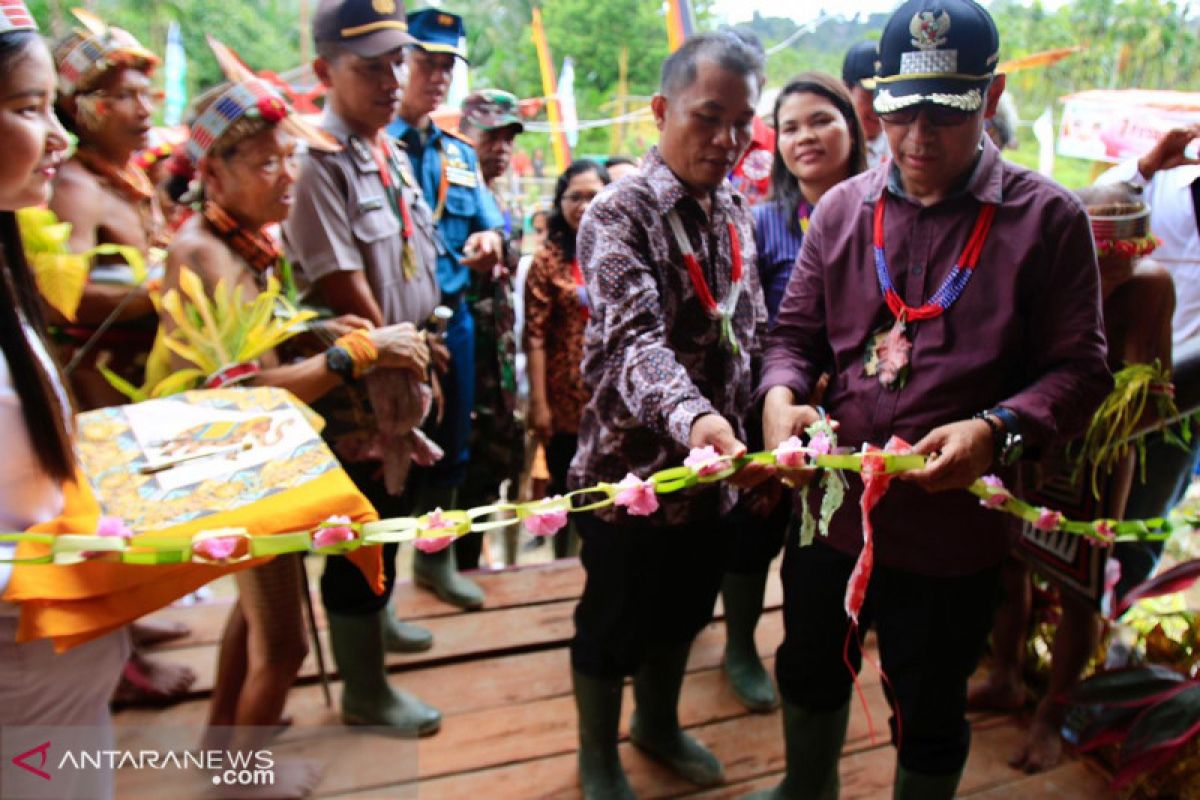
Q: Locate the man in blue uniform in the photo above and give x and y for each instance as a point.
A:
(468, 225)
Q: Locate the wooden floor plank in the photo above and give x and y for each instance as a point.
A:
(494, 738)
(471, 685)
(543, 583)
(456, 637)
(501, 676)
(1072, 780)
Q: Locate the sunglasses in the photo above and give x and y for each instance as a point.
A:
(936, 115)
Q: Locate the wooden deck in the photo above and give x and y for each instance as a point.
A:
(501, 678)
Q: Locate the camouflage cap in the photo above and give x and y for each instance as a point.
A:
(489, 109)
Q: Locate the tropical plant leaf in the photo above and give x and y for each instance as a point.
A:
(132, 256)
(1176, 579)
(1109, 726)
(1159, 732)
(123, 386)
(1125, 686)
(192, 354)
(179, 381)
(61, 279)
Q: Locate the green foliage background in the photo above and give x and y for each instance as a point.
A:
(1129, 43)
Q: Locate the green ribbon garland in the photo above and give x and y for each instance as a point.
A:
(153, 549)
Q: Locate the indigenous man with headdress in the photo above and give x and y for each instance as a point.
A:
(105, 99)
(242, 143)
(953, 300)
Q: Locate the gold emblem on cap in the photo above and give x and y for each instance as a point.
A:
(929, 29)
(445, 20)
(384, 6)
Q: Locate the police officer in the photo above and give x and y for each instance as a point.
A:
(468, 225)
(360, 235)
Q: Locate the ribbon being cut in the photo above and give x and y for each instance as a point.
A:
(209, 481)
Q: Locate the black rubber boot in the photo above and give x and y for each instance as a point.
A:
(598, 702)
(919, 786)
(743, 597)
(367, 697)
(814, 745)
(655, 728)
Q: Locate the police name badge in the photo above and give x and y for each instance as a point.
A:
(458, 176)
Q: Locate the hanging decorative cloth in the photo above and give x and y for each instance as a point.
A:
(721, 312)
(888, 350)
(390, 176)
(256, 248)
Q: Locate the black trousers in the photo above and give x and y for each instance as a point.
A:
(646, 585)
(559, 452)
(931, 633)
(755, 541)
(344, 590)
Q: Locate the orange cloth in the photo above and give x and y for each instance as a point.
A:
(75, 603)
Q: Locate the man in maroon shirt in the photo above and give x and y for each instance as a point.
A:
(981, 281)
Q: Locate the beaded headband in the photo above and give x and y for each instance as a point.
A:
(251, 101)
(14, 16)
(86, 54)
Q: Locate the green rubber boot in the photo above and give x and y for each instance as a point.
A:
(598, 702)
(404, 637)
(367, 697)
(438, 572)
(655, 727)
(743, 596)
(814, 744)
(919, 786)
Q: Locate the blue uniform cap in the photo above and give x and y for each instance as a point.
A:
(437, 31)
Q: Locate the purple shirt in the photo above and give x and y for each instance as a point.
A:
(1026, 334)
(652, 358)
(778, 245)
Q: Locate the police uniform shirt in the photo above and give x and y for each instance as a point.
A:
(342, 220)
(468, 206)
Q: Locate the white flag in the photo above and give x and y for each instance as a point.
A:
(174, 77)
(566, 101)
(1043, 131)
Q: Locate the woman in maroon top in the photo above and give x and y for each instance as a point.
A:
(556, 312)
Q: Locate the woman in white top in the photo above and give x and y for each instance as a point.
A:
(37, 687)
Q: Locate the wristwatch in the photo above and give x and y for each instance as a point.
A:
(1007, 443)
(339, 362)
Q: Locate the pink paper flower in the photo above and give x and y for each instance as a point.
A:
(216, 548)
(1105, 531)
(436, 522)
(820, 444)
(636, 496)
(999, 496)
(1048, 520)
(705, 461)
(791, 453)
(338, 530)
(113, 526)
(547, 522)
